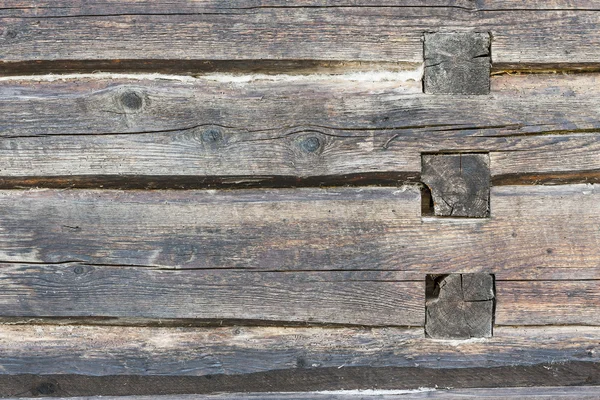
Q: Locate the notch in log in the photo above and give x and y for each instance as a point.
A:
(459, 306)
(457, 63)
(459, 184)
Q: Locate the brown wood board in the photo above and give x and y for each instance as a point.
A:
(304, 132)
(558, 33)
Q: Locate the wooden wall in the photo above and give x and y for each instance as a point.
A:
(226, 196)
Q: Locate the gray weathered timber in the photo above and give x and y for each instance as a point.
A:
(534, 232)
(79, 132)
(303, 379)
(460, 306)
(457, 63)
(548, 302)
(529, 393)
(459, 184)
(135, 295)
(319, 256)
(262, 229)
(332, 30)
(117, 350)
(67, 290)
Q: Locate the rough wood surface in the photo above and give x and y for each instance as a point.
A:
(303, 379)
(73, 131)
(330, 30)
(457, 63)
(534, 232)
(550, 302)
(530, 393)
(116, 350)
(459, 184)
(334, 256)
(460, 306)
(138, 295)
(120, 293)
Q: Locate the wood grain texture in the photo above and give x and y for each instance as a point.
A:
(457, 63)
(460, 306)
(548, 302)
(120, 293)
(137, 296)
(332, 30)
(115, 350)
(529, 393)
(76, 130)
(303, 380)
(320, 256)
(535, 232)
(459, 184)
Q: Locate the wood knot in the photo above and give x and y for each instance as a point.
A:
(78, 270)
(211, 136)
(132, 100)
(11, 34)
(301, 363)
(45, 388)
(310, 144)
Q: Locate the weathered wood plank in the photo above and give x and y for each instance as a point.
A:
(207, 128)
(389, 31)
(530, 393)
(534, 232)
(548, 302)
(136, 295)
(116, 350)
(333, 256)
(277, 230)
(302, 380)
(215, 296)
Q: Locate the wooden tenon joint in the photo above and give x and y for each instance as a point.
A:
(459, 306)
(457, 63)
(459, 184)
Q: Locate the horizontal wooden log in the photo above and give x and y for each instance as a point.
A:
(530, 393)
(213, 131)
(85, 361)
(275, 30)
(135, 295)
(535, 232)
(355, 256)
(116, 350)
(548, 302)
(119, 294)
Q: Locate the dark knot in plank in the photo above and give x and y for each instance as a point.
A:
(132, 100)
(212, 136)
(310, 144)
(45, 388)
